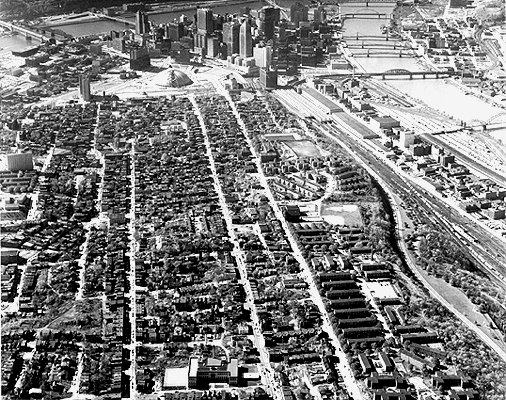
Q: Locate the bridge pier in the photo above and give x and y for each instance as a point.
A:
(423, 76)
(383, 77)
(411, 76)
(363, 44)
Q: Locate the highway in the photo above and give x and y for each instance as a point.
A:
(343, 366)
(268, 374)
(132, 280)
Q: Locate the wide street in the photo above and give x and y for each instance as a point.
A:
(344, 368)
(268, 375)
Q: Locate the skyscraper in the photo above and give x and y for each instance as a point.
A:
(141, 23)
(205, 20)
(245, 40)
(139, 58)
(231, 37)
(269, 77)
(263, 56)
(175, 30)
(212, 47)
(268, 17)
(84, 87)
(320, 14)
(298, 13)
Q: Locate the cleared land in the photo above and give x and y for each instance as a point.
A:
(342, 214)
(304, 148)
(460, 301)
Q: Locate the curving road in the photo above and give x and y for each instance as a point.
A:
(391, 184)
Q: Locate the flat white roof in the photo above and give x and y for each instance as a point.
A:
(382, 290)
(175, 377)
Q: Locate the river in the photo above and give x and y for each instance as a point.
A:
(13, 42)
(230, 9)
(436, 93)
(363, 35)
(86, 28)
(104, 25)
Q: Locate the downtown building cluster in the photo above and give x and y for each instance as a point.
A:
(264, 42)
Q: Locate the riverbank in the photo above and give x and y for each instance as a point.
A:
(169, 7)
(468, 90)
(82, 24)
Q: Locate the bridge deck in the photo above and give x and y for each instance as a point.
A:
(400, 73)
(391, 45)
(365, 16)
(24, 30)
(379, 38)
(366, 1)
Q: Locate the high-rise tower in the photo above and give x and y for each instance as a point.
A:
(245, 40)
(141, 23)
(231, 37)
(298, 13)
(205, 21)
(319, 14)
(268, 16)
(84, 87)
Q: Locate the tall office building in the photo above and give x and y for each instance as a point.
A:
(20, 162)
(263, 56)
(319, 14)
(231, 37)
(298, 13)
(200, 42)
(280, 31)
(139, 58)
(245, 40)
(175, 30)
(213, 46)
(268, 16)
(205, 20)
(141, 23)
(269, 78)
(84, 87)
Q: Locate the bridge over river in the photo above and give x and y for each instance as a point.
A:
(32, 33)
(365, 15)
(396, 73)
(367, 2)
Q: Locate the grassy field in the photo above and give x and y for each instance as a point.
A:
(341, 214)
(304, 148)
(460, 301)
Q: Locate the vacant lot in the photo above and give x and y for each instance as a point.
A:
(342, 214)
(304, 148)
